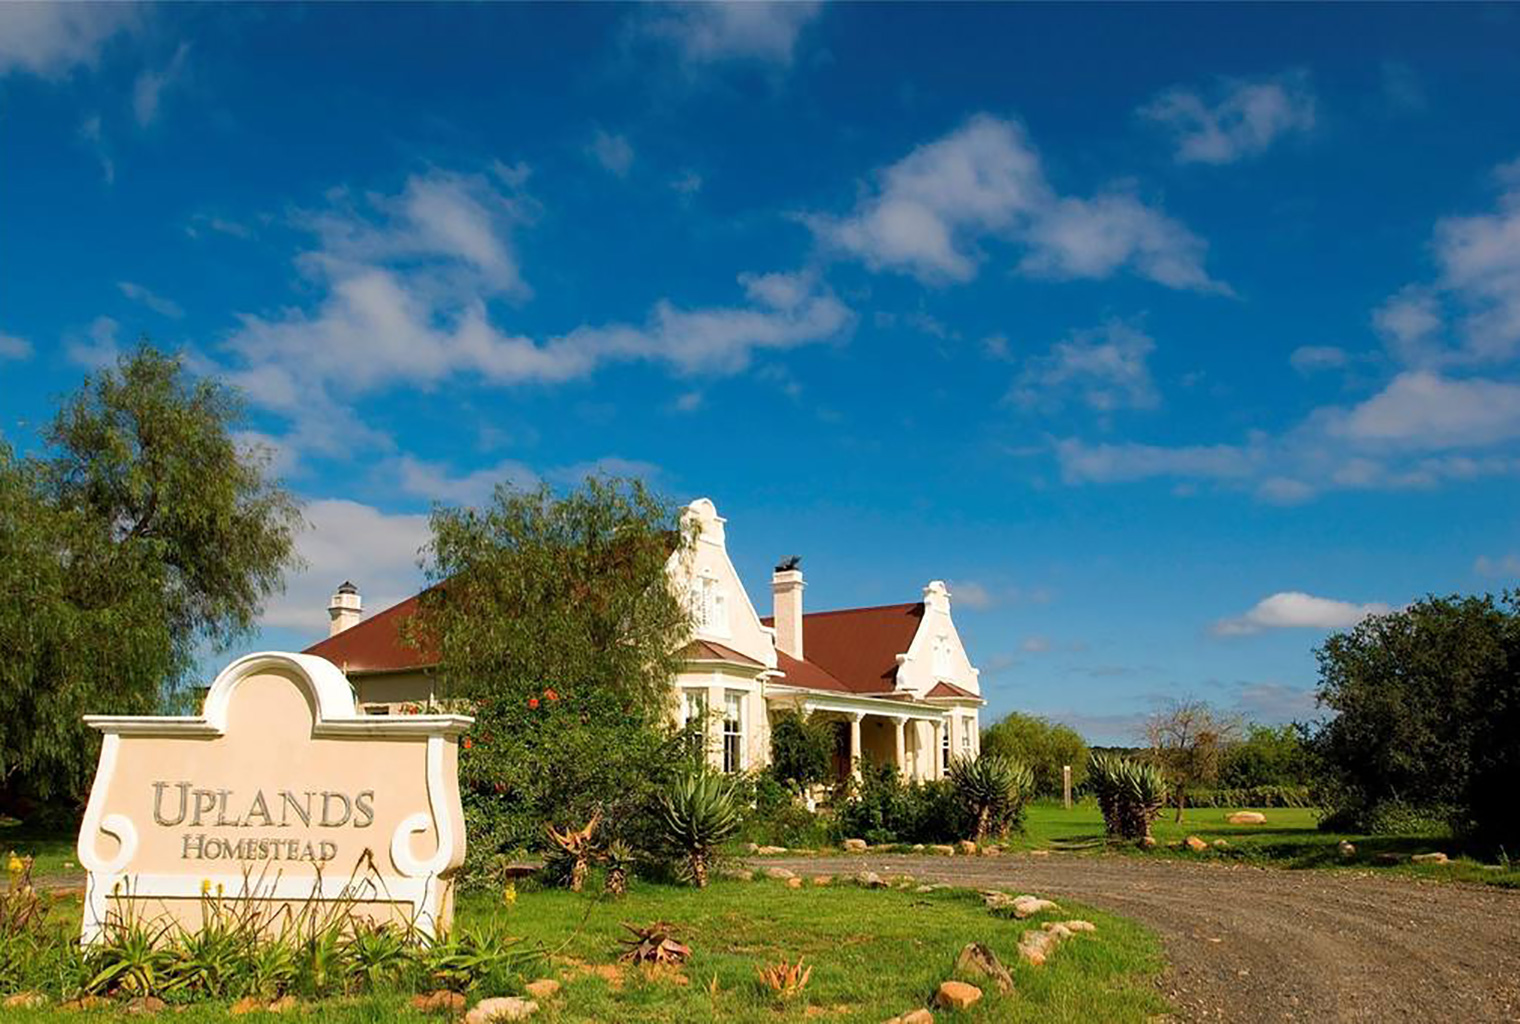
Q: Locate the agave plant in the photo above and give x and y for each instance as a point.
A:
(653, 944)
(700, 812)
(1130, 794)
(786, 980)
(576, 845)
(619, 859)
(993, 788)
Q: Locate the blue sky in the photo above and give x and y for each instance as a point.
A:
(1170, 337)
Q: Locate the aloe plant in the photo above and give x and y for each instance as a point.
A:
(700, 812)
(619, 859)
(1130, 794)
(994, 789)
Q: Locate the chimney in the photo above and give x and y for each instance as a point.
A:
(786, 594)
(345, 609)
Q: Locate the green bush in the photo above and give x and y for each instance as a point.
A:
(1045, 746)
(993, 791)
(700, 813)
(1130, 794)
(774, 815)
(802, 749)
(882, 808)
(1267, 757)
(1253, 796)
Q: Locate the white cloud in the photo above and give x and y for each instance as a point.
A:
(1111, 463)
(1503, 565)
(1470, 312)
(347, 540)
(1422, 409)
(160, 305)
(282, 458)
(1275, 703)
(1035, 645)
(929, 214)
(92, 135)
(98, 346)
(973, 595)
(1106, 367)
(1242, 120)
(1309, 358)
(613, 152)
(51, 39)
(148, 90)
(709, 33)
(687, 183)
(433, 480)
(1293, 609)
(13, 347)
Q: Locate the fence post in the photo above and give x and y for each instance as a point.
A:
(1066, 785)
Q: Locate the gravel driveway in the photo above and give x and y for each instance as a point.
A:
(1265, 944)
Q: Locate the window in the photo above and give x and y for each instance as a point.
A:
(965, 738)
(709, 606)
(733, 732)
(944, 745)
(693, 706)
(941, 656)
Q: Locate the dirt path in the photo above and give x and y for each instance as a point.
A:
(1260, 944)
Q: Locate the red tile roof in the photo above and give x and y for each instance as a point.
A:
(807, 675)
(374, 644)
(858, 647)
(951, 690)
(706, 650)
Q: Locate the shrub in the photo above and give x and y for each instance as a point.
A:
(882, 808)
(1044, 746)
(802, 749)
(993, 790)
(1130, 794)
(700, 813)
(1267, 757)
(1254, 796)
(775, 816)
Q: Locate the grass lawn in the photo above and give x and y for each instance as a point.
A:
(53, 850)
(1290, 838)
(875, 954)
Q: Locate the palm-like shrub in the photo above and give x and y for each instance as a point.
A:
(619, 859)
(993, 789)
(700, 812)
(1130, 794)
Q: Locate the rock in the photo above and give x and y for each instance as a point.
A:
(822, 879)
(794, 882)
(247, 1004)
(1220, 844)
(738, 874)
(780, 874)
(942, 850)
(143, 1004)
(978, 961)
(957, 995)
(1036, 947)
(1057, 929)
(919, 848)
(1196, 845)
(86, 1003)
(1027, 906)
(966, 847)
(936, 887)
(855, 846)
(501, 1008)
(543, 988)
(992, 851)
(1429, 858)
(1247, 818)
(440, 1001)
(1039, 853)
(24, 1000)
(285, 1003)
(770, 851)
(870, 880)
(751, 848)
(1080, 926)
(1149, 842)
(1347, 850)
(918, 1016)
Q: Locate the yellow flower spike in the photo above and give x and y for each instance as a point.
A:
(205, 886)
(509, 894)
(219, 890)
(15, 864)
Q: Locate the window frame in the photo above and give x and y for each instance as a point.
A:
(733, 731)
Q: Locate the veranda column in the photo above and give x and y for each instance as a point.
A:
(901, 734)
(855, 718)
(716, 709)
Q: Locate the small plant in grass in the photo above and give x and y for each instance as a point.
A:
(700, 813)
(469, 959)
(1130, 794)
(994, 790)
(653, 944)
(575, 845)
(23, 921)
(619, 860)
(377, 956)
(785, 980)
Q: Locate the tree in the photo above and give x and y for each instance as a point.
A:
(1426, 704)
(142, 534)
(555, 622)
(1045, 746)
(802, 749)
(1267, 756)
(1186, 741)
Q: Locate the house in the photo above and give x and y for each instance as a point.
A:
(896, 679)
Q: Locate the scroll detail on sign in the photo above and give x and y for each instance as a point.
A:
(280, 791)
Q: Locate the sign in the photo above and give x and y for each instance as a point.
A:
(281, 792)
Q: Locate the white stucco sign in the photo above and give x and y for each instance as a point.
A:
(281, 791)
